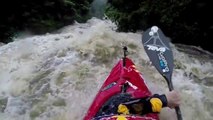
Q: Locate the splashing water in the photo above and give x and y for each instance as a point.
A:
(56, 76)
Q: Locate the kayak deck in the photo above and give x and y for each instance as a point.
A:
(123, 84)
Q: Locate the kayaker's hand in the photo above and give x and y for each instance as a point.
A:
(173, 99)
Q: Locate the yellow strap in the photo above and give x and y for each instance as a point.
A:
(120, 117)
(123, 109)
(156, 104)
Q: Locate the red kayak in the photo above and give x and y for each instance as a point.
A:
(124, 82)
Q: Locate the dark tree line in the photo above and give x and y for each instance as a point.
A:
(185, 21)
(39, 16)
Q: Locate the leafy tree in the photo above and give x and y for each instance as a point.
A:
(39, 16)
(185, 21)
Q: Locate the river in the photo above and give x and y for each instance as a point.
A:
(55, 76)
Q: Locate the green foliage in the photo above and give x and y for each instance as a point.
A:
(132, 16)
(40, 16)
(185, 21)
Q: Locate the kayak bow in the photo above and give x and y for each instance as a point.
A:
(123, 82)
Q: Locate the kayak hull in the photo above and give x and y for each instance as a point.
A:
(122, 79)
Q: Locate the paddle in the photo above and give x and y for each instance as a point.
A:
(157, 47)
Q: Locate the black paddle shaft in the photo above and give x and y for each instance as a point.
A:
(125, 54)
(177, 109)
(157, 47)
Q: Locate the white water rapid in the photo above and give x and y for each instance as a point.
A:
(56, 76)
